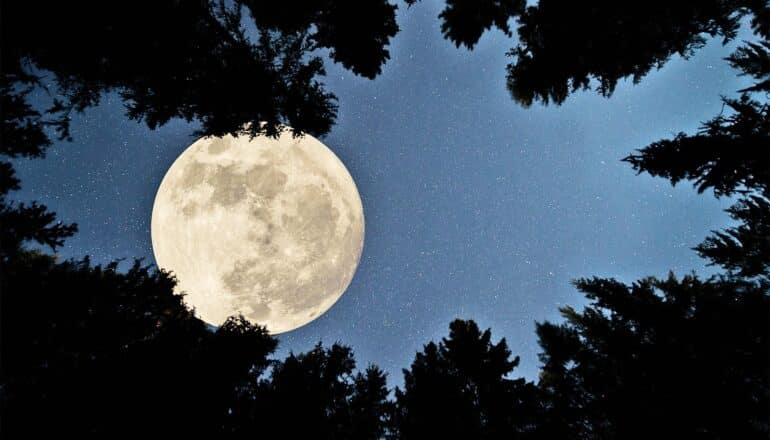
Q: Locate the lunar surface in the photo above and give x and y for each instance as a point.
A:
(272, 229)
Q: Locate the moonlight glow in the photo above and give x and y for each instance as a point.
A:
(269, 228)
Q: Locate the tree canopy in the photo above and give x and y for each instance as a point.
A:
(460, 388)
(93, 350)
(685, 356)
(242, 66)
(567, 46)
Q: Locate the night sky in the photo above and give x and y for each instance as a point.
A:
(475, 207)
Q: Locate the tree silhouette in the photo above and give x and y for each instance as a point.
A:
(661, 357)
(679, 358)
(22, 223)
(90, 349)
(743, 250)
(754, 59)
(463, 22)
(197, 60)
(317, 395)
(564, 47)
(682, 358)
(570, 46)
(459, 388)
(730, 154)
(22, 136)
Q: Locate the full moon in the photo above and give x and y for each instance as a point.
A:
(270, 228)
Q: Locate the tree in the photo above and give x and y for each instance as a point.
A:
(731, 156)
(743, 250)
(681, 358)
(21, 136)
(463, 21)
(197, 60)
(93, 350)
(21, 223)
(754, 59)
(567, 46)
(459, 388)
(317, 395)
(370, 409)
(90, 349)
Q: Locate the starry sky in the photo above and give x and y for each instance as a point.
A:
(475, 207)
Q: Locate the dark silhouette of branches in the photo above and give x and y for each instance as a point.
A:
(318, 395)
(92, 350)
(743, 250)
(194, 60)
(564, 47)
(730, 154)
(679, 357)
(569, 46)
(459, 388)
(89, 349)
(753, 59)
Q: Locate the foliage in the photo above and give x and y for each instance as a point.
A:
(730, 154)
(197, 60)
(92, 350)
(753, 59)
(564, 47)
(687, 358)
(320, 389)
(88, 349)
(459, 388)
(743, 250)
(464, 21)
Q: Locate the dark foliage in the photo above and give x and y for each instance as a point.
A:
(743, 250)
(21, 223)
(684, 358)
(88, 349)
(730, 154)
(317, 395)
(459, 388)
(463, 21)
(21, 130)
(357, 33)
(566, 46)
(93, 351)
(669, 358)
(34, 222)
(753, 59)
(196, 60)
(680, 358)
